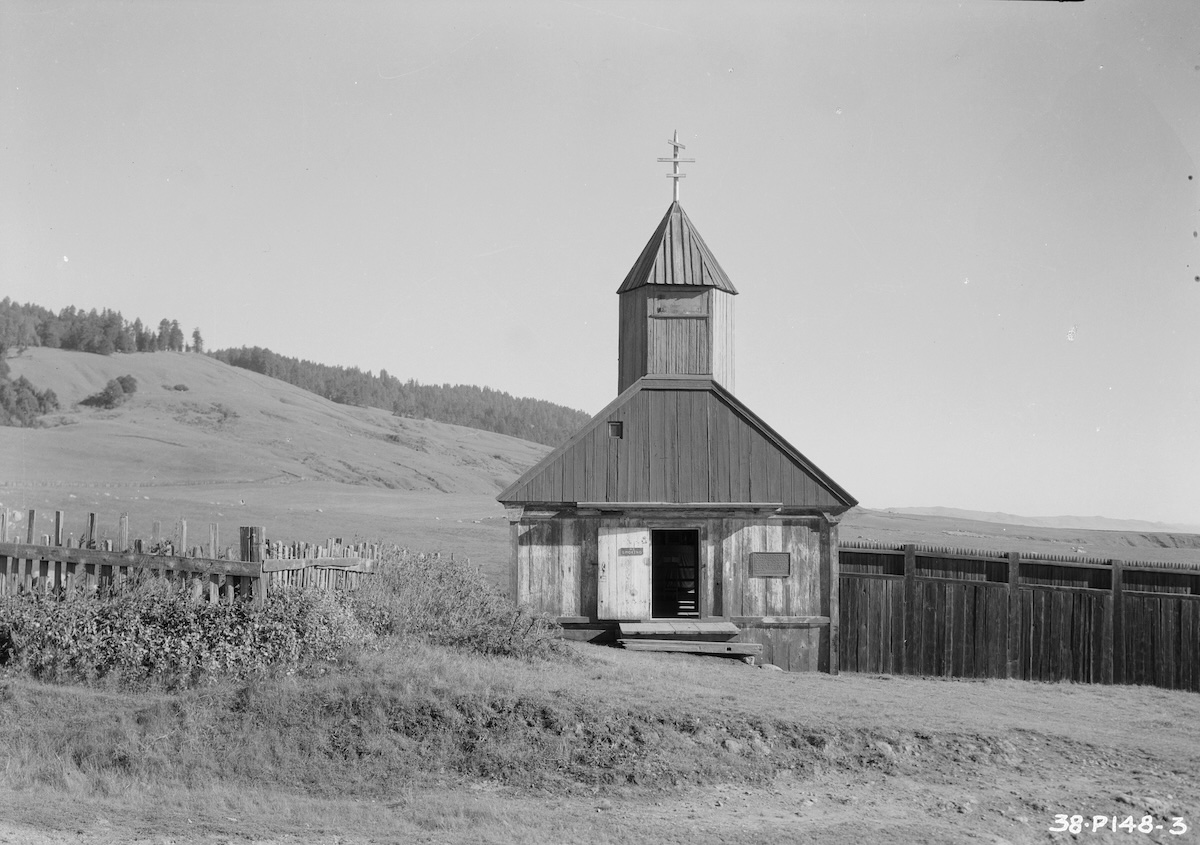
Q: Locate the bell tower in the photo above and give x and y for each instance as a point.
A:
(676, 304)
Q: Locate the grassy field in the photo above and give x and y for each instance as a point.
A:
(424, 744)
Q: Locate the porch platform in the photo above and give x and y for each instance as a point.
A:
(679, 629)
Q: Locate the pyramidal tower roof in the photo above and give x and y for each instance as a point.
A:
(677, 255)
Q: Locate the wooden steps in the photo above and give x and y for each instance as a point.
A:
(685, 635)
(678, 629)
(695, 647)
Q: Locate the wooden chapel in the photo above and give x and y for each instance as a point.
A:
(676, 518)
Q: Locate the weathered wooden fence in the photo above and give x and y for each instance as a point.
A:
(55, 565)
(962, 613)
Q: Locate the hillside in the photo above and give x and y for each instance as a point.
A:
(240, 448)
(237, 447)
(460, 404)
(1089, 523)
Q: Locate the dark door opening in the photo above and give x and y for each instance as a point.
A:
(675, 574)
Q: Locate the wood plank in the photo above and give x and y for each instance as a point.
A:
(685, 459)
(745, 459)
(285, 564)
(780, 621)
(165, 562)
(874, 625)
(693, 647)
(671, 446)
(701, 447)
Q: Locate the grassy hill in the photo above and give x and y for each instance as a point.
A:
(239, 448)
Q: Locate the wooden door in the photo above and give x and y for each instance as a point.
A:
(623, 580)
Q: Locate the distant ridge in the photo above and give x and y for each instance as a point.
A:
(1093, 523)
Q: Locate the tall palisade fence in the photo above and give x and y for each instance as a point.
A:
(922, 610)
(61, 565)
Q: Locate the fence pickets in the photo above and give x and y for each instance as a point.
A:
(973, 614)
(56, 565)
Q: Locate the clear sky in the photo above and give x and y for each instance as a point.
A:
(964, 235)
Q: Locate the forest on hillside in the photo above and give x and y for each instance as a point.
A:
(100, 332)
(461, 404)
(107, 332)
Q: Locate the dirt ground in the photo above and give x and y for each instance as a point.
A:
(986, 761)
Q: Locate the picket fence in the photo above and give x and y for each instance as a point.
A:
(925, 610)
(58, 564)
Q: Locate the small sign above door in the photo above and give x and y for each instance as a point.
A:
(630, 551)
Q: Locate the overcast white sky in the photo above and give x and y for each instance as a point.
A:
(964, 235)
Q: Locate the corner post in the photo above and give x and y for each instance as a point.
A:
(910, 610)
(829, 551)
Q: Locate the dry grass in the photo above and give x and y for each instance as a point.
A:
(433, 744)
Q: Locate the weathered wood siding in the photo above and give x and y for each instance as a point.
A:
(667, 331)
(570, 566)
(631, 337)
(721, 308)
(679, 346)
(792, 645)
(979, 615)
(623, 580)
(682, 444)
(550, 565)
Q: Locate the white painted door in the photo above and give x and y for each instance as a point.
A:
(623, 582)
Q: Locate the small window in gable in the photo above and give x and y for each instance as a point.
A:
(770, 564)
(616, 429)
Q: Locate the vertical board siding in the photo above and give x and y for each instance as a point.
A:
(631, 344)
(677, 445)
(1044, 621)
(721, 308)
(623, 582)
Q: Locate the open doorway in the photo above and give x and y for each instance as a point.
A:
(675, 574)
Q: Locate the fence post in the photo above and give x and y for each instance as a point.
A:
(123, 533)
(1012, 645)
(60, 520)
(4, 525)
(181, 535)
(29, 526)
(91, 530)
(1118, 623)
(252, 540)
(910, 607)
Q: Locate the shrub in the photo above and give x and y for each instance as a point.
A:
(114, 393)
(150, 631)
(448, 602)
(21, 403)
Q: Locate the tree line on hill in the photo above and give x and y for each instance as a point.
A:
(102, 332)
(107, 332)
(461, 404)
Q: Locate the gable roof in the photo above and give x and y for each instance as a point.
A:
(676, 255)
(684, 440)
